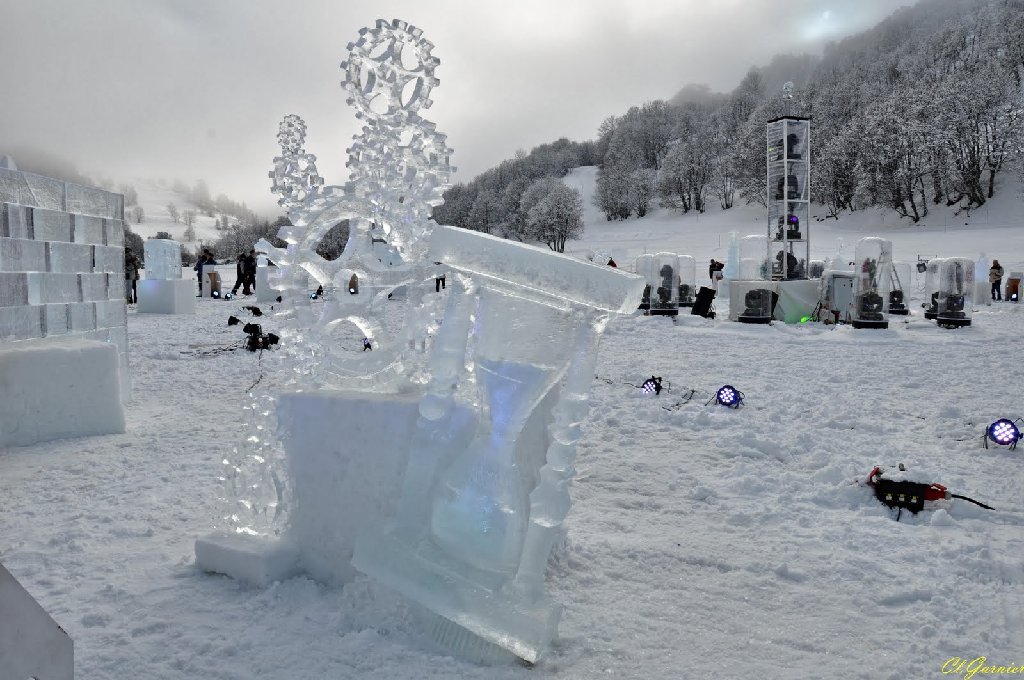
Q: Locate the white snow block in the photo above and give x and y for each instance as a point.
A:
(157, 296)
(346, 468)
(264, 293)
(59, 388)
(32, 645)
(254, 560)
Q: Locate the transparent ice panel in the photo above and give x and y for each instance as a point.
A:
(162, 259)
(687, 280)
(955, 289)
(664, 282)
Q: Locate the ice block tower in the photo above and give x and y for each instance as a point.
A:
(479, 514)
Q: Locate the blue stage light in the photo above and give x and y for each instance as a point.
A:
(1003, 432)
(728, 395)
(652, 385)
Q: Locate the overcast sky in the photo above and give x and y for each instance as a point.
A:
(196, 88)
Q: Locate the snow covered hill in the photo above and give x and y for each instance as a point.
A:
(154, 199)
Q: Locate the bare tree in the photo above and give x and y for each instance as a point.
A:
(172, 211)
(138, 214)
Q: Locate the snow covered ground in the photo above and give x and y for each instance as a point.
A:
(703, 541)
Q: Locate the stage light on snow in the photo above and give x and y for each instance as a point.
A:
(652, 384)
(728, 395)
(228, 296)
(215, 294)
(1003, 432)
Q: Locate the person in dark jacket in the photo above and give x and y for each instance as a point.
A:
(205, 259)
(995, 277)
(239, 273)
(131, 276)
(249, 272)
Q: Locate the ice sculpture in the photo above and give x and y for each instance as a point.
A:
(479, 514)
(500, 392)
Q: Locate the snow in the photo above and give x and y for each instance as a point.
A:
(702, 541)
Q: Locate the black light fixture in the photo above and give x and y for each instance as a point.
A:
(228, 296)
(234, 321)
(727, 395)
(1003, 432)
(215, 294)
(652, 384)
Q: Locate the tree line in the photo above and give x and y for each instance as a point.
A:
(926, 108)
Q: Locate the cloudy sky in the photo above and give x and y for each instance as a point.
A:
(196, 88)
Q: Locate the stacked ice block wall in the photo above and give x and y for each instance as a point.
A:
(61, 262)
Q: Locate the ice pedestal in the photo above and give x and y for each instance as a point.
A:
(158, 296)
(479, 512)
(59, 388)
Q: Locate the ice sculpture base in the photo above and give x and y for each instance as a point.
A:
(57, 388)
(507, 620)
(346, 454)
(167, 296)
(254, 560)
(264, 293)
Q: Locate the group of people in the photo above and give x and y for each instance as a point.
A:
(245, 273)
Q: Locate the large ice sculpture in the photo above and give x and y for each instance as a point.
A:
(500, 385)
(476, 522)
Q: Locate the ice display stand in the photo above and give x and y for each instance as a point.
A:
(901, 273)
(643, 268)
(931, 287)
(163, 291)
(955, 292)
(750, 296)
(32, 644)
(789, 174)
(663, 278)
(873, 269)
(687, 281)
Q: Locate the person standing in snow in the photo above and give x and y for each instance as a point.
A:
(205, 260)
(239, 274)
(249, 270)
(995, 277)
(131, 276)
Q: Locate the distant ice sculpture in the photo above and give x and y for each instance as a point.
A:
(502, 387)
(162, 259)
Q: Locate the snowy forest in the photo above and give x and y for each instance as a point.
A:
(925, 108)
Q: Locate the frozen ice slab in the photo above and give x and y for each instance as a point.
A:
(531, 269)
(162, 259)
(166, 297)
(59, 388)
(255, 560)
(477, 519)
